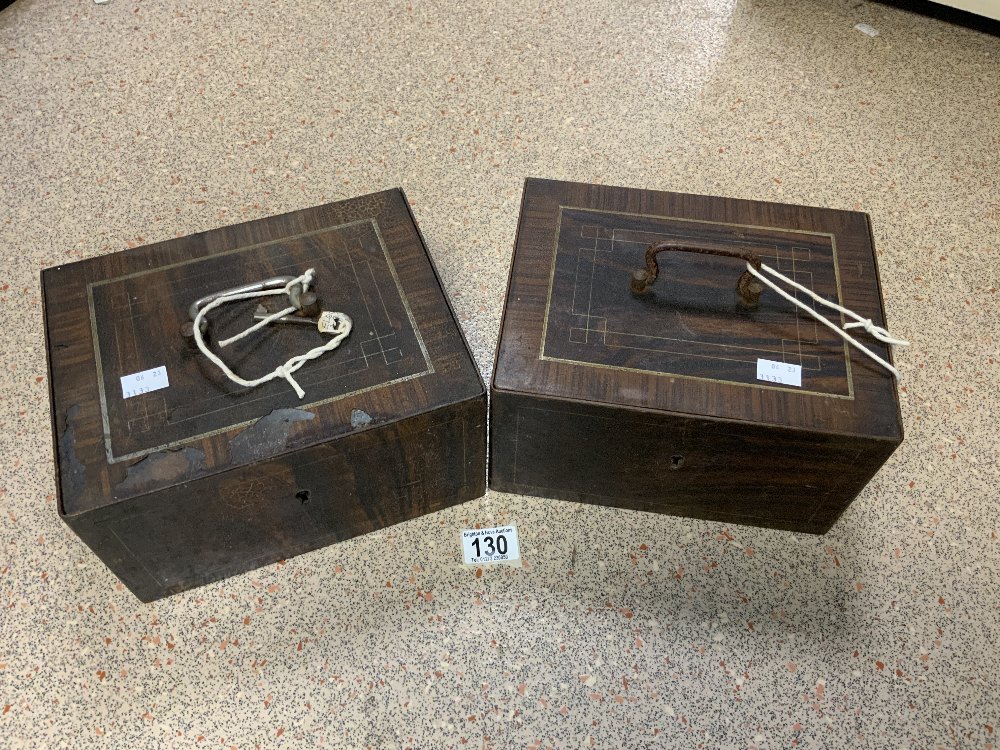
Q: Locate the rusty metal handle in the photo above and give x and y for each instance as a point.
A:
(747, 286)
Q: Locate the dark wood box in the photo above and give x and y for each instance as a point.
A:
(651, 401)
(204, 479)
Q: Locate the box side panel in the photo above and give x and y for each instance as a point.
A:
(872, 454)
(405, 471)
(710, 469)
(898, 414)
(54, 422)
(203, 531)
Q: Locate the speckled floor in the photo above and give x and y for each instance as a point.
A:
(131, 122)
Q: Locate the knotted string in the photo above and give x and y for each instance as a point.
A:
(287, 369)
(877, 332)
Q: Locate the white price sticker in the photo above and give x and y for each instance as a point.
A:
(495, 545)
(779, 372)
(143, 382)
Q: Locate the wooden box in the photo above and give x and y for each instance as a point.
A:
(203, 479)
(651, 401)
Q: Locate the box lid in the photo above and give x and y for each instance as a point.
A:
(573, 329)
(121, 314)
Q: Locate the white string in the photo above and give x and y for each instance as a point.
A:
(292, 365)
(259, 324)
(877, 331)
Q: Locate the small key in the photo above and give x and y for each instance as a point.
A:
(327, 322)
(261, 312)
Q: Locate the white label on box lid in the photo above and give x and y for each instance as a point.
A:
(779, 372)
(143, 382)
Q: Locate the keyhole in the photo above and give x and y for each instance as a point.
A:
(303, 496)
(676, 462)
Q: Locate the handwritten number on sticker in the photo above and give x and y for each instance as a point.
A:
(779, 372)
(144, 382)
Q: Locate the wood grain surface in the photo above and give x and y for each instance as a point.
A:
(204, 478)
(651, 401)
(696, 293)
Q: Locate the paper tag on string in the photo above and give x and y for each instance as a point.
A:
(330, 322)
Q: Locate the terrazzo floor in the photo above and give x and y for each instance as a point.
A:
(130, 122)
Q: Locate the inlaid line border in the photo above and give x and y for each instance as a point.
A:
(548, 303)
(105, 420)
